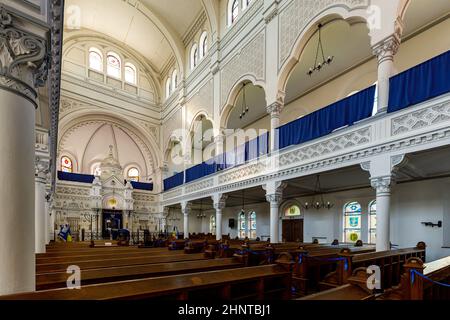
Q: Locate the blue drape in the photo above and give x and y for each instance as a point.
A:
(421, 83)
(324, 121)
(257, 147)
(75, 177)
(142, 186)
(174, 181)
(200, 171)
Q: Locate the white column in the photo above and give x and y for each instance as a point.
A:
(385, 52)
(382, 185)
(186, 210)
(274, 110)
(47, 221)
(22, 71)
(219, 140)
(274, 195)
(219, 201)
(40, 226)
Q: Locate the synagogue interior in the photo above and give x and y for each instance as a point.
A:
(218, 150)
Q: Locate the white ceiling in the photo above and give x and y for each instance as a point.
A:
(90, 143)
(124, 23)
(422, 12)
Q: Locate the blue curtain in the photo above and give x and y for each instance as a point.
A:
(324, 121)
(202, 170)
(257, 147)
(174, 181)
(75, 177)
(142, 186)
(421, 83)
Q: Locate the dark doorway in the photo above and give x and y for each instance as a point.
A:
(293, 230)
(112, 223)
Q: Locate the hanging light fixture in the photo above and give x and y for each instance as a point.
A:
(201, 215)
(318, 203)
(245, 108)
(243, 202)
(319, 65)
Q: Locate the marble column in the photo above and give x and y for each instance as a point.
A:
(274, 110)
(274, 195)
(383, 185)
(219, 202)
(385, 52)
(40, 226)
(22, 70)
(186, 210)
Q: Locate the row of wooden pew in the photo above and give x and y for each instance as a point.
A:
(207, 269)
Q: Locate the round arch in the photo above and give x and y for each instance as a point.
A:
(233, 95)
(145, 142)
(329, 14)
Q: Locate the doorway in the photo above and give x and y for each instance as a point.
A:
(112, 223)
(293, 230)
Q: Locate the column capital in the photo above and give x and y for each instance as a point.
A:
(271, 11)
(41, 168)
(275, 109)
(219, 201)
(24, 59)
(383, 184)
(274, 192)
(186, 207)
(388, 48)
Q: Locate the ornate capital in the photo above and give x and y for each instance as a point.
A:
(383, 184)
(219, 201)
(387, 49)
(186, 208)
(275, 109)
(24, 60)
(274, 199)
(41, 169)
(274, 192)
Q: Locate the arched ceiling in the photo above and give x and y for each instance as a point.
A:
(154, 28)
(89, 144)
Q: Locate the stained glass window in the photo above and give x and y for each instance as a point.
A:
(252, 224)
(242, 225)
(352, 222)
(133, 174)
(234, 11)
(113, 65)
(373, 222)
(130, 74)
(66, 165)
(212, 224)
(95, 59)
(293, 211)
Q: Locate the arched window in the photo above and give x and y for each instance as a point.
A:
(212, 224)
(133, 175)
(245, 4)
(174, 79)
(352, 222)
(66, 165)
(292, 211)
(194, 56)
(130, 73)
(203, 44)
(373, 222)
(252, 225)
(114, 65)
(168, 88)
(95, 59)
(242, 225)
(233, 11)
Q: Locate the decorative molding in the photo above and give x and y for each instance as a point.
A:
(294, 18)
(421, 118)
(388, 48)
(208, 183)
(250, 60)
(219, 201)
(196, 27)
(382, 184)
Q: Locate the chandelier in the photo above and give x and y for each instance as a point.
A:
(201, 215)
(318, 203)
(244, 106)
(319, 65)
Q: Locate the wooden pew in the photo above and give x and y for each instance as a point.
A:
(177, 244)
(96, 264)
(105, 256)
(390, 263)
(314, 263)
(356, 289)
(422, 281)
(197, 246)
(95, 276)
(256, 283)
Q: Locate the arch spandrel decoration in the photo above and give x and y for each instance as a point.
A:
(250, 60)
(294, 19)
